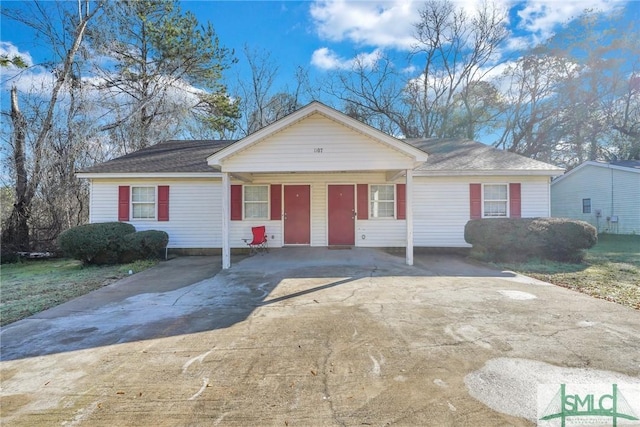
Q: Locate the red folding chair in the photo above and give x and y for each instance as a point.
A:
(259, 241)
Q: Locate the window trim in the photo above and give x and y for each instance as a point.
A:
(155, 203)
(586, 209)
(268, 203)
(394, 201)
(506, 201)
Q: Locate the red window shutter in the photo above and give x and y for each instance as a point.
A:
(276, 202)
(401, 203)
(123, 203)
(236, 202)
(163, 203)
(475, 196)
(363, 201)
(515, 200)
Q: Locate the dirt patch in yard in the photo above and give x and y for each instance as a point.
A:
(610, 271)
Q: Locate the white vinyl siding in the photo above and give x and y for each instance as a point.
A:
(195, 217)
(317, 144)
(376, 233)
(613, 193)
(441, 206)
(441, 209)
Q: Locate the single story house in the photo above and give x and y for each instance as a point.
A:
(606, 195)
(317, 177)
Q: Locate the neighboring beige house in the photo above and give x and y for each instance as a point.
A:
(606, 195)
(318, 178)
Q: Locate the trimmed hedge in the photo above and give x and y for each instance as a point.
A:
(95, 243)
(518, 239)
(143, 245)
(111, 243)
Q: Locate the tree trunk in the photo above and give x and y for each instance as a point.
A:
(15, 236)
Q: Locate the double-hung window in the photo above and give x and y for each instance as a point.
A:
(143, 202)
(256, 201)
(382, 201)
(495, 200)
(586, 205)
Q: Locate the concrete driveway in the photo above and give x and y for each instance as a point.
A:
(310, 336)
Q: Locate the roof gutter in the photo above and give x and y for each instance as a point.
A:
(507, 172)
(112, 175)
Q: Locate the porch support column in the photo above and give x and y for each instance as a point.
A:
(409, 215)
(226, 219)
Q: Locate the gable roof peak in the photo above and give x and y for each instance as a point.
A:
(316, 107)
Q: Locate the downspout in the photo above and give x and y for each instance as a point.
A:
(611, 169)
(611, 224)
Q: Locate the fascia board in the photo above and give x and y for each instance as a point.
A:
(112, 175)
(495, 172)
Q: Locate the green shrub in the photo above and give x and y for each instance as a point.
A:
(98, 243)
(111, 243)
(143, 245)
(8, 256)
(565, 239)
(518, 239)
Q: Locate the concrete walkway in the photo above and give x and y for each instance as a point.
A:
(314, 337)
(127, 310)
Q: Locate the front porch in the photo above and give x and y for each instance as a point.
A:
(310, 177)
(319, 210)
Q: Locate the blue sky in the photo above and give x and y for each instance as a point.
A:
(326, 35)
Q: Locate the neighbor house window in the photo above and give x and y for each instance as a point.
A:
(382, 201)
(256, 201)
(586, 205)
(495, 200)
(143, 202)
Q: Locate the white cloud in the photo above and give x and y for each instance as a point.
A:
(327, 59)
(10, 50)
(381, 24)
(386, 23)
(542, 17)
(34, 78)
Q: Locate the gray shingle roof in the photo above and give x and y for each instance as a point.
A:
(632, 164)
(165, 157)
(456, 154)
(452, 154)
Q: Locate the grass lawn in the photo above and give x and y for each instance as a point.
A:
(611, 270)
(31, 286)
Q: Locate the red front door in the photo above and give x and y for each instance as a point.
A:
(297, 215)
(342, 223)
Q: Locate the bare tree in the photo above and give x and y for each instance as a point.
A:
(455, 50)
(16, 234)
(575, 97)
(261, 103)
(531, 120)
(377, 94)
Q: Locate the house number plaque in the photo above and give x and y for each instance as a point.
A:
(317, 150)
